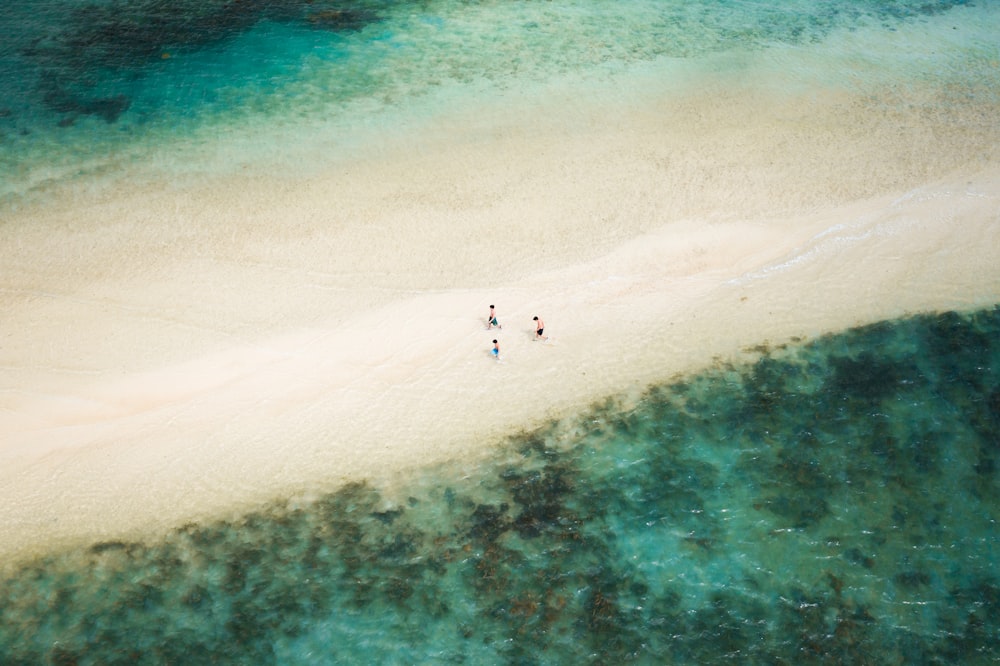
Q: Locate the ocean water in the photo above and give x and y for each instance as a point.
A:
(92, 88)
(833, 501)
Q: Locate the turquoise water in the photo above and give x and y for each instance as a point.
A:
(834, 501)
(91, 87)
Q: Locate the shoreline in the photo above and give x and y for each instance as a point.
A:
(411, 383)
(174, 353)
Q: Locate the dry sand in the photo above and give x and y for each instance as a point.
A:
(171, 353)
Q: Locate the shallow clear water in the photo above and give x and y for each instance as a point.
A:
(88, 87)
(834, 501)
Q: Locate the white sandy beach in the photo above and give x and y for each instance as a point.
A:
(177, 352)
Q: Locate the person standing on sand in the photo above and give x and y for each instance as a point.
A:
(496, 350)
(491, 321)
(539, 329)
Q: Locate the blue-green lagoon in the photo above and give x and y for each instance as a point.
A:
(834, 501)
(181, 179)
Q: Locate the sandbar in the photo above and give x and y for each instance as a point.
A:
(176, 352)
